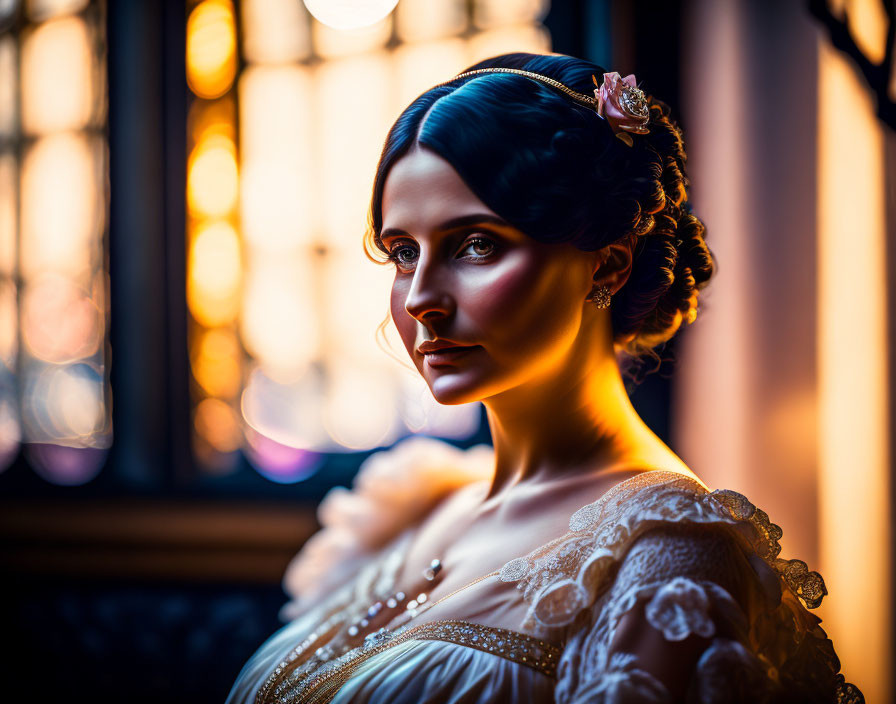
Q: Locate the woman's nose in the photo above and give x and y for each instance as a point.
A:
(428, 296)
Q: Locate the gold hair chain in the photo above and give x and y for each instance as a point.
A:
(588, 100)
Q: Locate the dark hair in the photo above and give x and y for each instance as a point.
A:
(553, 169)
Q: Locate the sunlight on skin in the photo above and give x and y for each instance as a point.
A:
(543, 360)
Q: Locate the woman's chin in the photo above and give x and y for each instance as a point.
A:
(451, 390)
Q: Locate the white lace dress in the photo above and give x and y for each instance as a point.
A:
(659, 553)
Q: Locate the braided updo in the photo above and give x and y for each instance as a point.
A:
(555, 170)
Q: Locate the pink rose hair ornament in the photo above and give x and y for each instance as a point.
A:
(621, 103)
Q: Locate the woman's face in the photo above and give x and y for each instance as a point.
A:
(511, 308)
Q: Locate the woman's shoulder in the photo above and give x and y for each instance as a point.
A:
(392, 493)
(664, 549)
(564, 576)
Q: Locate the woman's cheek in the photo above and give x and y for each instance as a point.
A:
(499, 296)
(403, 321)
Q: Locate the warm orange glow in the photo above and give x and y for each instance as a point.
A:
(43, 9)
(349, 15)
(360, 411)
(496, 13)
(60, 322)
(212, 177)
(217, 363)
(57, 77)
(8, 85)
(211, 48)
(534, 38)
(353, 318)
(424, 20)
(331, 43)
(868, 23)
(275, 31)
(715, 387)
(349, 146)
(287, 413)
(854, 488)
(214, 269)
(212, 117)
(278, 185)
(218, 425)
(419, 66)
(8, 196)
(304, 178)
(279, 323)
(61, 206)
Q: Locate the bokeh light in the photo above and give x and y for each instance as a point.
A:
(60, 321)
(289, 413)
(279, 327)
(278, 188)
(65, 405)
(8, 215)
(54, 395)
(361, 404)
(274, 31)
(64, 465)
(9, 86)
(215, 268)
(294, 184)
(488, 14)
(61, 211)
(212, 177)
(57, 77)
(278, 462)
(349, 14)
(425, 20)
(218, 424)
(211, 48)
(217, 362)
(10, 432)
(44, 9)
(8, 324)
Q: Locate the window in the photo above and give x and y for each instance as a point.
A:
(54, 390)
(283, 304)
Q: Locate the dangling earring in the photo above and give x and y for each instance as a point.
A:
(601, 297)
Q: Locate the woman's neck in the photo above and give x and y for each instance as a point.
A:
(577, 419)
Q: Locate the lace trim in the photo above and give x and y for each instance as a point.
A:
(806, 584)
(564, 576)
(320, 677)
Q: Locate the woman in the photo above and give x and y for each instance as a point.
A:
(535, 211)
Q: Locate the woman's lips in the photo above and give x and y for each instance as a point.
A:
(448, 355)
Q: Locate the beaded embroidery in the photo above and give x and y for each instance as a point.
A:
(316, 680)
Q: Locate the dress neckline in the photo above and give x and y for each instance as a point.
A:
(657, 475)
(509, 644)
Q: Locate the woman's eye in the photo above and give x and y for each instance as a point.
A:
(479, 247)
(403, 255)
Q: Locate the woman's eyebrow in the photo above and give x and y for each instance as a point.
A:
(452, 224)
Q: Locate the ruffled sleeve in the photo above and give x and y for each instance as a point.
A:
(392, 492)
(667, 592)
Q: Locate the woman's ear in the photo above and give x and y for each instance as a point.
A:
(614, 264)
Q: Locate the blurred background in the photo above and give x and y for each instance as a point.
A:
(188, 349)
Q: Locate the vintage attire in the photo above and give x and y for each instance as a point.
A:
(693, 561)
